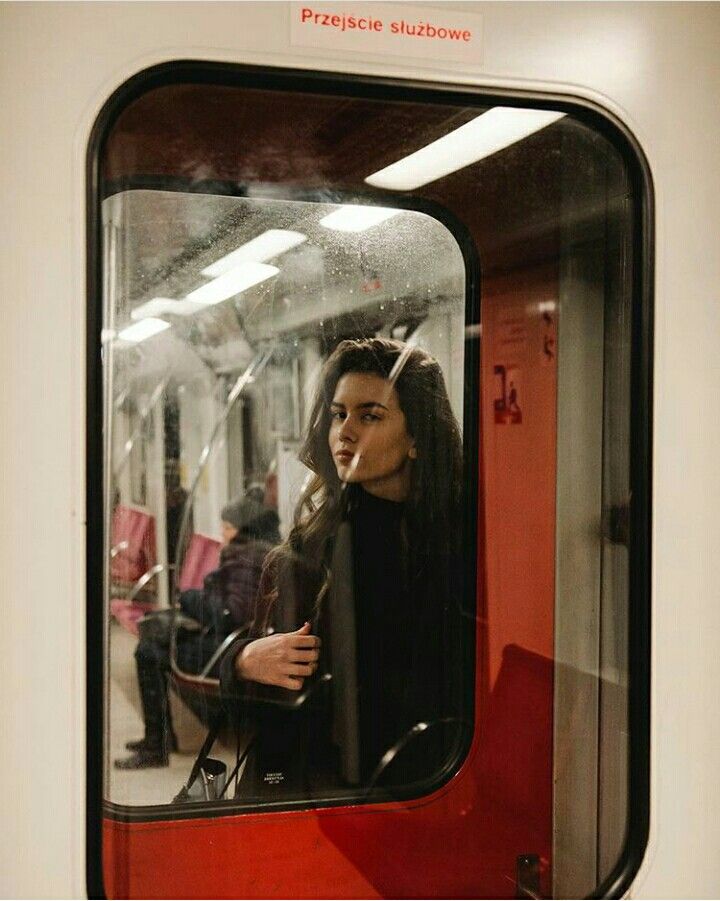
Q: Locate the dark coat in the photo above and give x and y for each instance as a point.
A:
(399, 652)
(291, 578)
(227, 599)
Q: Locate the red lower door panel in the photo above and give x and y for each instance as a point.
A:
(462, 842)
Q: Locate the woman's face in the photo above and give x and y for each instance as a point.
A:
(368, 437)
(228, 532)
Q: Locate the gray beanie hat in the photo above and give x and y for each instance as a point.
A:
(242, 512)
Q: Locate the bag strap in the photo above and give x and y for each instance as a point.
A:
(215, 727)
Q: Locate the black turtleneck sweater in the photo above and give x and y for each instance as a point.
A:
(384, 627)
(398, 648)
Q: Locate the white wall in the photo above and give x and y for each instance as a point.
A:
(58, 63)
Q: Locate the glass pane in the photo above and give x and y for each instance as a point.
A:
(213, 403)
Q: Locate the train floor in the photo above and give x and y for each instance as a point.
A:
(156, 785)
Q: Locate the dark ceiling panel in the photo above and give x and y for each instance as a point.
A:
(510, 202)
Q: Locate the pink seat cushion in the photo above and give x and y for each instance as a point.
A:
(127, 613)
(202, 556)
(137, 529)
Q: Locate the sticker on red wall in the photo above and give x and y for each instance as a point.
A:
(507, 402)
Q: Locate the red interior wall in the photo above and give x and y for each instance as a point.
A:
(519, 462)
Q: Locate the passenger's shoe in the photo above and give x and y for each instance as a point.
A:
(142, 744)
(143, 760)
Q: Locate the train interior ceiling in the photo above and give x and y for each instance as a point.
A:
(215, 396)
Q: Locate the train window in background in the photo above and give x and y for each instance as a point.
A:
(375, 376)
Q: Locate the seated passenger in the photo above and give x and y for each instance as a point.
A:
(378, 530)
(223, 604)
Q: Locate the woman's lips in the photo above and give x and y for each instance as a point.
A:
(344, 456)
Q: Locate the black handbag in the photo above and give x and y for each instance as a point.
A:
(208, 777)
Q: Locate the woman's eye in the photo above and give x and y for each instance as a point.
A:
(366, 417)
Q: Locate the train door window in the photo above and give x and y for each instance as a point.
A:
(323, 291)
(374, 365)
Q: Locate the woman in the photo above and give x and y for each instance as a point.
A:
(224, 603)
(379, 528)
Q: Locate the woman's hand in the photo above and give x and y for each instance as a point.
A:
(285, 659)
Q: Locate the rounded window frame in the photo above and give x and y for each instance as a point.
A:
(590, 113)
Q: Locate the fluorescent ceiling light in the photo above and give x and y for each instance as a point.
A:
(163, 306)
(494, 130)
(238, 279)
(266, 246)
(357, 218)
(146, 328)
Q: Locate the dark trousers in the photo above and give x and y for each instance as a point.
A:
(152, 658)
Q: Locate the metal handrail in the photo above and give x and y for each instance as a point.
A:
(144, 413)
(253, 370)
(207, 669)
(144, 579)
(255, 367)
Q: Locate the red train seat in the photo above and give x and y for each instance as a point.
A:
(201, 557)
(200, 692)
(133, 550)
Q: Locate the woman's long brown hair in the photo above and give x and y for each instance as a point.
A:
(433, 521)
